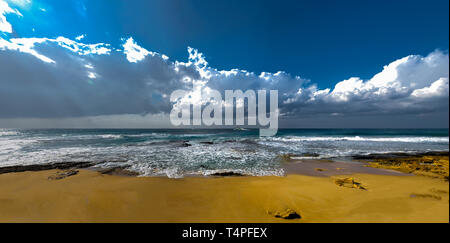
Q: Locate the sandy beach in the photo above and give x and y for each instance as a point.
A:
(91, 196)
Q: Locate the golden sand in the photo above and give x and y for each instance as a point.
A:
(93, 197)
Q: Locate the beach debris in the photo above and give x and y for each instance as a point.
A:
(286, 213)
(63, 174)
(349, 182)
(320, 169)
(418, 195)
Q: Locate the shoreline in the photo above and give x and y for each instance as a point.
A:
(394, 189)
(90, 196)
(291, 165)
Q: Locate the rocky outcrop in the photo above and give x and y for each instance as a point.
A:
(63, 174)
(49, 166)
(433, 164)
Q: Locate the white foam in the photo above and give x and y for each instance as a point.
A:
(8, 133)
(110, 136)
(359, 138)
(249, 171)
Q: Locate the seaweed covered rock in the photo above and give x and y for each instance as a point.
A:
(435, 166)
(349, 182)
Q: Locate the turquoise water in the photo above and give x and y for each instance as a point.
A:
(204, 151)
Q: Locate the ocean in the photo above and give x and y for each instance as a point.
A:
(179, 152)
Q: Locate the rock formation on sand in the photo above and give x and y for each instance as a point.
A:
(286, 213)
(63, 174)
(349, 182)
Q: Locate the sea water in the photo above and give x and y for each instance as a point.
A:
(178, 152)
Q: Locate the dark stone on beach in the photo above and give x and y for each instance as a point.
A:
(227, 173)
(63, 174)
(309, 155)
(185, 144)
(286, 214)
(50, 166)
(292, 215)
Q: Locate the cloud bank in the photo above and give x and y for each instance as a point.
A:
(44, 78)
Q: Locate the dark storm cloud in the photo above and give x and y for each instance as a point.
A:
(132, 80)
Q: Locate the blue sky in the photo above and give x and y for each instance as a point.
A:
(316, 44)
(349, 38)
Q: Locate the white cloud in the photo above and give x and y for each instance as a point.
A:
(436, 89)
(92, 75)
(78, 38)
(344, 89)
(414, 83)
(134, 52)
(5, 26)
(404, 85)
(27, 45)
(81, 48)
(398, 86)
(133, 80)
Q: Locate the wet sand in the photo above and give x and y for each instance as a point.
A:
(90, 196)
(332, 168)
